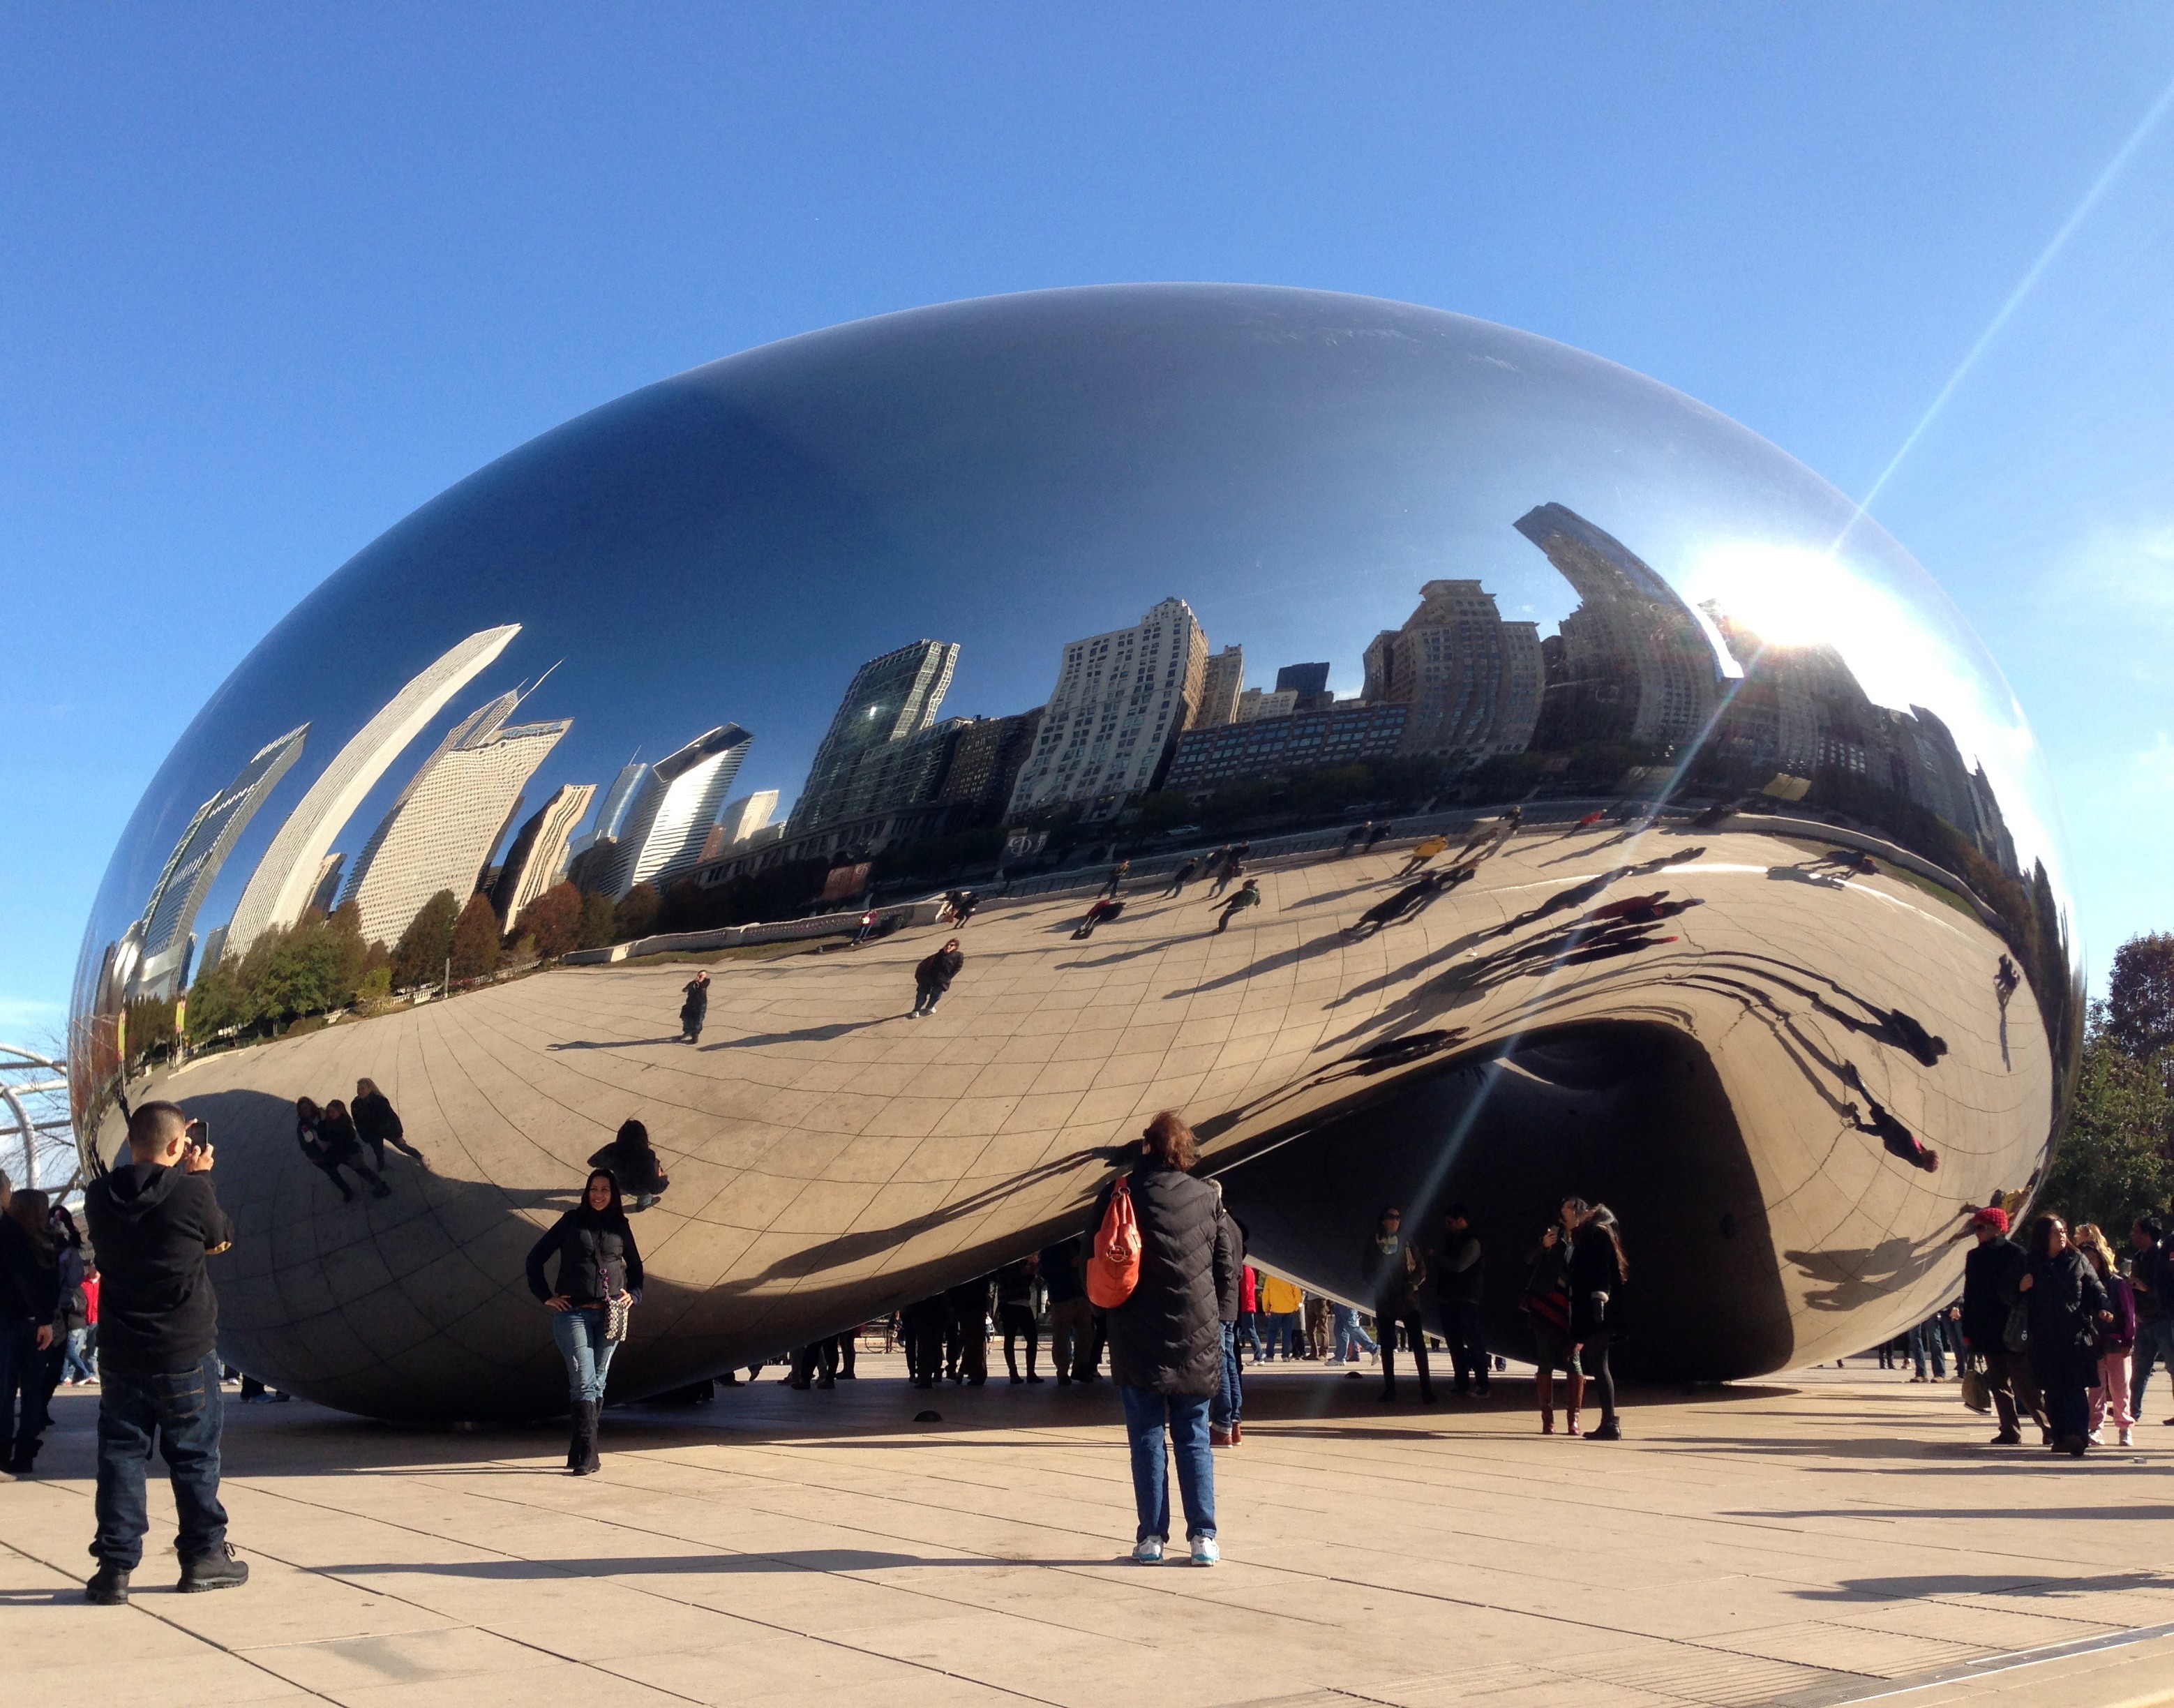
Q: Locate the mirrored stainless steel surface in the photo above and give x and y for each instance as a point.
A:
(1623, 816)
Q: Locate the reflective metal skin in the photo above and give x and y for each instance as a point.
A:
(1738, 903)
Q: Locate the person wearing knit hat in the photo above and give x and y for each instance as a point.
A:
(1990, 1292)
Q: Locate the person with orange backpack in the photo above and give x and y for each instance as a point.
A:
(1162, 1266)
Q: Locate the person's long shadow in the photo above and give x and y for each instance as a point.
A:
(864, 1243)
(717, 1565)
(613, 1043)
(1266, 965)
(806, 1035)
(1334, 895)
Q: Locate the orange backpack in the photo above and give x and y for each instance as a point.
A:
(1113, 1266)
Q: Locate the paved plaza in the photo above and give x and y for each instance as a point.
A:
(1825, 1537)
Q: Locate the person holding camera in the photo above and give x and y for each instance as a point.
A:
(154, 1221)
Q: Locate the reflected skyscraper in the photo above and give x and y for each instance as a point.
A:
(538, 859)
(891, 699)
(1633, 662)
(740, 820)
(1120, 702)
(669, 820)
(186, 877)
(1221, 683)
(287, 872)
(1472, 680)
(445, 824)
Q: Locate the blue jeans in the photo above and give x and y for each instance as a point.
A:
(1249, 1328)
(581, 1337)
(1146, 1412)
(1347, 1340)
(2154, 1344)
(184, 1410)
(76, 1363)
(1924, 1336)
(1230, 1403)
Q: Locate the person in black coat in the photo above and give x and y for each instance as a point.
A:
(599, 1267)
(633, 1165)
(1227, 1416)
(1597, 1271)
(933, 977)
(969, 1318)
(328, 1139)
(30, 1288)
(377, 1124)
(1167, 1337)
(695, 1008)
(923, 1325)
(1394, 1274)
(1458, 1268)
(2068, 1302)
(1993, 1274)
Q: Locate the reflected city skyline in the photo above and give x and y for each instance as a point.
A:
(1474, 755)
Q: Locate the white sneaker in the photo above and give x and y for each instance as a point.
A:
(2127, 1439)
(2096, 1438)
(1148, 1551)
(1204, 1551)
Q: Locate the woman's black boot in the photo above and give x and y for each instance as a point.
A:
(582, 1455)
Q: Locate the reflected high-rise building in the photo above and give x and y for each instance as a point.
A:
(1632, 663)
(186, 878)
(1472, 680)
(1220, 684)
(326, 892)
(669, 819)
(442, 828)
(538, 859)
(740, 820)
(986, 761)
(1121, 701)
(891, 700)
(287, 872)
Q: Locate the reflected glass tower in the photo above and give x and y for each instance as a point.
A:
(287, 872)
(669, 820)
(891, 699)
(186, 877)
(1472, 680)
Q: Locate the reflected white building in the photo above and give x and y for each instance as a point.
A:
(1121, 701)
(287, 873)
(442, 829)
(664, 830)
(538, 859)
(1472, 680)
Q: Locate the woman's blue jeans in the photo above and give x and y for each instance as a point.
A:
(1230, 1403)
(588, 1354)
(1147, 1415)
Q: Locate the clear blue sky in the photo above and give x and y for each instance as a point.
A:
(269, 279)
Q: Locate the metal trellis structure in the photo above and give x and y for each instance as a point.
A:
(37, 1137)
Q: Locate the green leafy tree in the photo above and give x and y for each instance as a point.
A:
(475, 948)
(635, 916)
(2112, 1163)
(2140, 1007)
(597, 918)
(215, 1000)
(553, 919)
(419, 956)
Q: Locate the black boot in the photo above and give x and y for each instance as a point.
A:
(108, 1586)
(23, 1456)
(219, 1570)
(581, 1458)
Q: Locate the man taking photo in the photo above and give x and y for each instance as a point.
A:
(153, 1222)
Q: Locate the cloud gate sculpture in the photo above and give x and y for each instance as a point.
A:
(1628, 817)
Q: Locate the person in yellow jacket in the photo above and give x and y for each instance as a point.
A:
(1423, 851)
(1285, 1305)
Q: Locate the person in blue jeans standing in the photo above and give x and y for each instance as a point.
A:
(1225, 1417)
(1928, 1336)
(153, 1221)
(1347, 1342)
(598, 1268)
(2151, 1275)
(1167, 1337)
